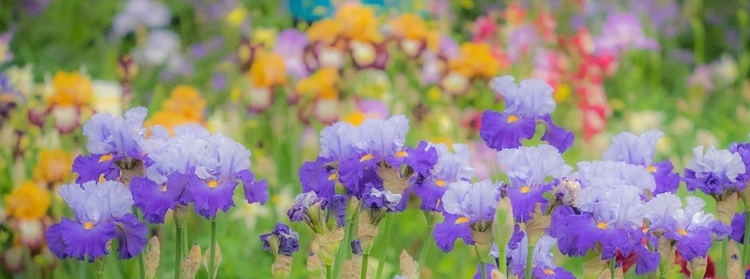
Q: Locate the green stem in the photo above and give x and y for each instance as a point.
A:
(612, 268)
(483, 267)
(426, 246)
(328, 272)
(384, 250)
(723, 266)
(746, 239)
(82, 270)
(529, 261)
(212, 256)
(141, 268)
(501, 264)
(365, 259)
(343, 252)
(178, 250)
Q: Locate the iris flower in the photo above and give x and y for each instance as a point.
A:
(715, 172)
(467, 207)
(102, 213)
(639, 150)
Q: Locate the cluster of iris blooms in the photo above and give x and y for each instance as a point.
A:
(618, 212)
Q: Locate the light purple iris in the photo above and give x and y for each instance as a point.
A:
(525, 106)
(543, 262)
(532, 171)
(102, 213)
(451, 167)
(477, 201)
(639, 150)
(146, 12)
(521, 40)
(691, 227)
(622, 32)
(221, 163)
(611, 175)
(715, 171)
(291, 44)
(111, 139)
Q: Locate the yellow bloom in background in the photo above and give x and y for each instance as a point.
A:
(321, 82)
(355, 118)
(184, 106)
(185, 100)
(409, 26)
(28, 202)
(237, 15)
(53, 166)
(358, 22)
(264, 36)
(268, 70)
(70, 89)
(476, 60)
(325, 30)
(561, 93)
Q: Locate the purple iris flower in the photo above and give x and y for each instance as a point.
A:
(315, 211)
(639, 150)
(622, 32)
(111, 139)
(319, 176)
(742, 149)
(525, 105)
(690, 227)
(610, 218)
(450, 167)
(146, 12)
(102, 213)
(532, 171)
(287, 240)
(166, 180)
(291, 44)
(465, 205)
(222, 162)
(543, 262)
(715, 172)
(607, 175)
(378, 200)
(738, 227)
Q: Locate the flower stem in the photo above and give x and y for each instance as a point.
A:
(483, 267)
(746, 240)
(501, 264)
(612, 267)
(141, 268)
(178, 250)
(384, 251)
(723, 266)
(343, 253)
(529, 261)
(328, 272)
(425, 246)
(365, 259)
(212, 256)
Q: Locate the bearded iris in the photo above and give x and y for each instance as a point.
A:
(715, 172)
(451, 167)
(102, 213)
(639, 150)
(529, 170)
(468, 207)
(525, 106)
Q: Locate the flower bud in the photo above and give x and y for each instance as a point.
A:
(314, 266)
(192, 263)
(217, 259)
(151, 257)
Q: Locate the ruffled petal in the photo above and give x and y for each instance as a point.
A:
(557, 136)
(451, 229)
(91, 168)
(131, 234)
(208, 200)
(500, 131)
(154, 200)
(255, 191)
(83, 242)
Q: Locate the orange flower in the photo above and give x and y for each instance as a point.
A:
(70, 89)
(184, 106)
(326, 30)
(28, 202)
(53, 167)
(321, 83)
(267, 70)
(185, 100)
(409, 26)
(358, 22)
(475, 60)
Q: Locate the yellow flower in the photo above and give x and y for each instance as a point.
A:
(355, 118)
(476, 60)
(186, 101)
(237, 15)
(562, 93)
(264, 36)
(358, 22)
(267, 70)
(326, 30)
(70, 89)
(409, 26)
(321, 83)
(169, 120)
(28, 202)
(53, 166)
